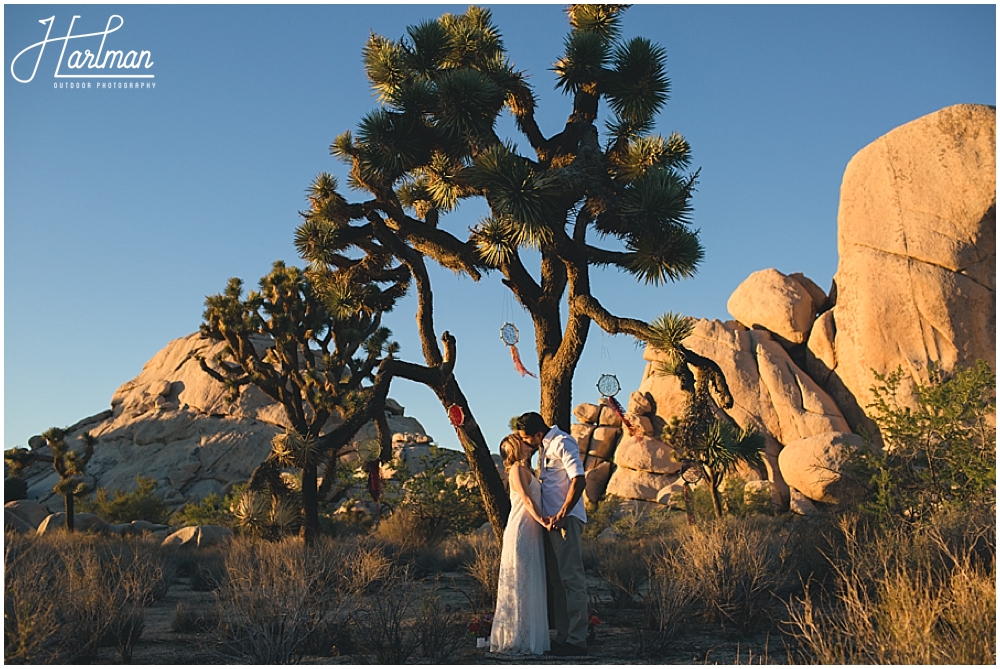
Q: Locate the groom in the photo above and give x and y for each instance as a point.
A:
(560, 471)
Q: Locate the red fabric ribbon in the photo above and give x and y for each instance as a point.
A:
(375, 480)
(634, 428)
(518, 365)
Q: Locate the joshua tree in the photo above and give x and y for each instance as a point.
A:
(68, 464)
(432, 144)
(713, 446)
(321, 241)
(310, 342)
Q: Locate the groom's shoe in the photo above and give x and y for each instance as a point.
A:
(568, 650)
(554, 648)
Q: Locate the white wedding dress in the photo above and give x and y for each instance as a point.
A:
(520, 625)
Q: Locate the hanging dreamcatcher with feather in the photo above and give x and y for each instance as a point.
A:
(609, 386)
(509, 336)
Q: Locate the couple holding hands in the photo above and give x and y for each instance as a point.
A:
(542, 538)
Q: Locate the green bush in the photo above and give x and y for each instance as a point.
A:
(213, 509)
(442, 504)
(123, 507)
(942, 452)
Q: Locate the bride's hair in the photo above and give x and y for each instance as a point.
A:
(510, 450)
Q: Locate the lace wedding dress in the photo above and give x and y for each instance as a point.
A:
(520, 625)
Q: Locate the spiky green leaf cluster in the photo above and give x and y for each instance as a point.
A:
(583, 61)
(496, 240)
(602, 20)
(261, 514)
(518, 193)
(725, 446)
(669, 330)
(646, 153)
(294, 450)
(639, 86)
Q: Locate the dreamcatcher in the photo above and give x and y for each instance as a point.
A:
(509, 336)
(690, 474)
(369, 451)
(608, 386)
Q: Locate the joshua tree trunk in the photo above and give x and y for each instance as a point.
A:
(310, 500)
(70, 520)
(714, 480)
(484, 471)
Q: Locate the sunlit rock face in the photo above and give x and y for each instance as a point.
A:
(915, 286)
(178, 425)
(916, 281)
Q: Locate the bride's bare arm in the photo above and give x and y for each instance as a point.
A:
(519, 482)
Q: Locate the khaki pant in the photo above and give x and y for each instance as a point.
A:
(568, 603)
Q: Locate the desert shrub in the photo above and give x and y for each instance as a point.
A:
(212, 509)
(600, 516)
(120, 506)
(669, 602)
(383, 624)
(940, 452)
(441, 629)
(192, 619)
(902, 596)
(66, 595)
(32, 611)
(366, 566)
(484, 570)
(735, 566)
(433, 504)
(275, 595)
(621, 565)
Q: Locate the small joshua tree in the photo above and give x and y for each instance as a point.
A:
(711, 444)
(68, 464)
(309, 341)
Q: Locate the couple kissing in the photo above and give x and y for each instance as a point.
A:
(541, 564)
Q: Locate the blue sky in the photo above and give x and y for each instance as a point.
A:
(123, 209)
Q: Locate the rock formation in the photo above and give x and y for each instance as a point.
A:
(916, 281)
(176, 424)
(916, 285)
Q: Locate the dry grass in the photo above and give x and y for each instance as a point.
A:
(275, 596)
(732, 568)
(904, 596)
(484, 570)
(67, 595)
(622, 566)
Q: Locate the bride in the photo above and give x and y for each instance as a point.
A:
(520, 625)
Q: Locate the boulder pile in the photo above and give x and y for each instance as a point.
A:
(915, 286)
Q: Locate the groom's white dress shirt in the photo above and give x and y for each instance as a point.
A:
(558, 463)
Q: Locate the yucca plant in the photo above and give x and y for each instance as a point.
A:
(712, 445)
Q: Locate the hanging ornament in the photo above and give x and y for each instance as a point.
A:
(369, 451)
(690, 474)
(456, 415)
(509, 336)
(608, 386)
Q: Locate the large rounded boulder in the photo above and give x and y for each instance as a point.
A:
(916, 281)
